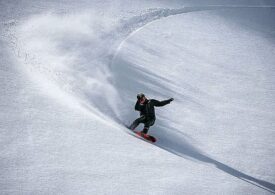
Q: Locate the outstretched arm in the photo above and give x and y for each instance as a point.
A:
(161, 103)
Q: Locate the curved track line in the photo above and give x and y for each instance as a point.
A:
(137, 23)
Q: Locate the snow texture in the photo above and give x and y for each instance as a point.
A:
(70, 72)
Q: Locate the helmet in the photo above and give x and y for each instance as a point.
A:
(140, 95)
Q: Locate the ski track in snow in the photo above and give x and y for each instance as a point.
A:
(83, 88)
(138, 22)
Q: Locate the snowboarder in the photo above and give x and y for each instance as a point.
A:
(147, 111)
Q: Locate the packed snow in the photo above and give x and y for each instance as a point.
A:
(70, 72)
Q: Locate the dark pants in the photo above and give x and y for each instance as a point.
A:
(147, 123)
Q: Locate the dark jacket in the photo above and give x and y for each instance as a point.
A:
(147, 109)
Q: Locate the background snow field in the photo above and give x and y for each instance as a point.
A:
(70, 72)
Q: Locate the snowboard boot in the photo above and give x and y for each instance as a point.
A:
(145, 130)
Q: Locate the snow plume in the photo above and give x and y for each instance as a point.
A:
(69, 52)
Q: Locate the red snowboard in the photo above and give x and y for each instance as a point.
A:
(147, 137)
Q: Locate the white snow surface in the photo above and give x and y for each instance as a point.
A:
(70, 72)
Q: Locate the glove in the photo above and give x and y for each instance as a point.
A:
(170, 100)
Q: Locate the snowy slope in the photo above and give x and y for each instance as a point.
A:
(70, 72)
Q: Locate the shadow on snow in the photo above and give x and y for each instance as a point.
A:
(174, 140)
(177, 144)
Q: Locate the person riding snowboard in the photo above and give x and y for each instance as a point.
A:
(147, 111)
